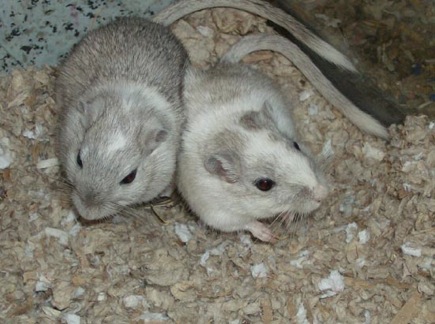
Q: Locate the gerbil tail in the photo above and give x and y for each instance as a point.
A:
(267, 11)
(258, 42)
(358, 87)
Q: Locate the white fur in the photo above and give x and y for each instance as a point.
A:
(296, 164)
(118, 141)
(238, 206)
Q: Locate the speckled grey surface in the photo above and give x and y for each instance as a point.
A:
(39, 32)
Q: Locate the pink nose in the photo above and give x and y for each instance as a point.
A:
(319, 193)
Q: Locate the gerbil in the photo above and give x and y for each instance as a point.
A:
(327, 53)
(119, 93)
(241, 159)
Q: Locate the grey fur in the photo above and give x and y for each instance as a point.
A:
(120, 97)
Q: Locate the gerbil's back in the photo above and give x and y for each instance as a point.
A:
(225, 83)
(229, 86)
(132, 49)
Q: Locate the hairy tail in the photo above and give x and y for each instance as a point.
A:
(265, 10)
(258, 42)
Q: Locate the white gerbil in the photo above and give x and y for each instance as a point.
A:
(364, 121)
(241, 159)
(119, 93)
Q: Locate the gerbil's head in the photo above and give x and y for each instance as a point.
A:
(265, 172)
(120, 151)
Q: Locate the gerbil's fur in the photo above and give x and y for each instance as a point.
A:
(119, 93)
(240, 159)
(252, 43)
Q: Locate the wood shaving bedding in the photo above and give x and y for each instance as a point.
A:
(366, 256)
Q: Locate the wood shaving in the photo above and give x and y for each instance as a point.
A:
(139, 270)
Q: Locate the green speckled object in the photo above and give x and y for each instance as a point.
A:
(39, 32)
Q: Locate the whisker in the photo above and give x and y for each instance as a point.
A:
(156, 214)
(277, 224)
(63, 187)
(300, 221)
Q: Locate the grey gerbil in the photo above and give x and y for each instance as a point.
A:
(241, 159)
(120, 98)
(328, 53)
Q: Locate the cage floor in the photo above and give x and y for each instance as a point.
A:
(38, 33)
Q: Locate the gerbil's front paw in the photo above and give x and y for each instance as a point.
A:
(260, 231)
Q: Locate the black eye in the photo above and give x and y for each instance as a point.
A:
(130, 178)
(264, 184)
(296, 146)
(79, 161)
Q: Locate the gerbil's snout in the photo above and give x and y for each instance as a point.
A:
(90, 199)
(320, 192)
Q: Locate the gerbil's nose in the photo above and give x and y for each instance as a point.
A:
(320, 192)
(90, 199)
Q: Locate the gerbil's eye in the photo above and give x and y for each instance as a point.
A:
(264, 184)
(296, 146)
(79, 161)
(130, 178)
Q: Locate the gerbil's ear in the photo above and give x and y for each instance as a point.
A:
(251, 120)
(254, 120)
(154, 138)
(226, 165)
(278, 120)
(91, 108)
